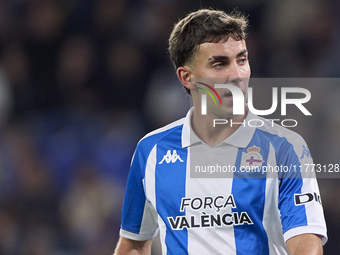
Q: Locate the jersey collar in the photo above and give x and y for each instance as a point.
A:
(240, 138)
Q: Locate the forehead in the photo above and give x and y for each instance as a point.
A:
(230, 49)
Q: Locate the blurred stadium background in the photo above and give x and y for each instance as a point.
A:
(81, 81)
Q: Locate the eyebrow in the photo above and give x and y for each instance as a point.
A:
(221, 57)
(241, 53)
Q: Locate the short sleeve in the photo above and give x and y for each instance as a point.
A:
(299, 197)
(139, 218)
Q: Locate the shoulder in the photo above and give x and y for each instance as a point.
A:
(274, 131)
(283, 140)
(152, 138)
(164, 130)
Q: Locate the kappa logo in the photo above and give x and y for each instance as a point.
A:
(305, 152)
(252, 159)
(171, 158)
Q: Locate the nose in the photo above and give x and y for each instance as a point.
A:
(234, 74)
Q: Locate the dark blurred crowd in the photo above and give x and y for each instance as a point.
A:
(81, 81)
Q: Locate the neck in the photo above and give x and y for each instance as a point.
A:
(203, 126)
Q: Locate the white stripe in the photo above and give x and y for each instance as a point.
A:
(162, 234)
(149, 222)
(314, 212)
(149, 182)
(271, 215)
(212, 240)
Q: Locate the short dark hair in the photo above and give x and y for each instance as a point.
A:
(204, 26)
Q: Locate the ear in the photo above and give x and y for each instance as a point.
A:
(184, 75)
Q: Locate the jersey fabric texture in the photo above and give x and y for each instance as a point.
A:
(246, 214)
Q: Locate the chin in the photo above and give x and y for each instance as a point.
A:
(224, 113)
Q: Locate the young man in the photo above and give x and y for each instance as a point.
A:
(246, 213)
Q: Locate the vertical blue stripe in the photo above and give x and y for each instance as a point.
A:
(290, 182)
(170, 189)
(134, 200)
(249, 192)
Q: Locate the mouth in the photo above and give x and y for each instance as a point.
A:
(229, 95)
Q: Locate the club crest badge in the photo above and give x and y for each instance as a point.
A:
(252, 159)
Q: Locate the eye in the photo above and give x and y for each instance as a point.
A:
(218, 65)
(243, 60)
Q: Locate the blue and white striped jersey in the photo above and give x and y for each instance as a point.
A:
(246, 212)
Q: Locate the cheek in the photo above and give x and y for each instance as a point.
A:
(246, 96)
(198, 73)
(247, 71)
(244, 87)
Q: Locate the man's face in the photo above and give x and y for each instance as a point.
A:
(221, 63)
